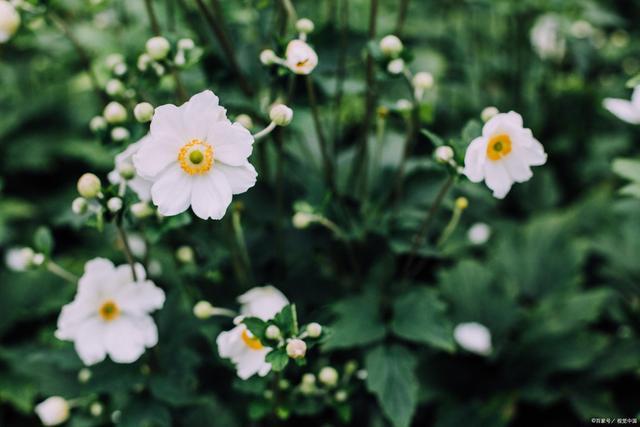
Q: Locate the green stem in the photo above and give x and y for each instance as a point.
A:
(127, 250)
(238, 233)
(402, 16)
(324, 148)
(59, 271)
(451, 226)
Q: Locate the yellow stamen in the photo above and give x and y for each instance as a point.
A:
(499, 146)
(196, 157)
(109, 311)
(252, 342)
(302, 63)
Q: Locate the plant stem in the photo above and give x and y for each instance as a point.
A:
(61, 272)
(153, 19)
(291, 11)
(342, 65)
(402, 15)
(264, 132)
(324, 148)
(127, 250)
(238, 234)
(451, 226)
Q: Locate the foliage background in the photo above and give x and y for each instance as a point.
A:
(557, 283)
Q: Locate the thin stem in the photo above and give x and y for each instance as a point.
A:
(402, 16)
(324, 148)
(153, 19)
(127, 250)
(291, 11)
(420, 237)
(264, 132)
(238, 233)
(342, 65)
(59, 271)
(451, 226)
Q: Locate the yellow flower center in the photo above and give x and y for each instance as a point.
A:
(252, 342)
(302, 63)
(499, 146)
(196, 157)
(109, 311)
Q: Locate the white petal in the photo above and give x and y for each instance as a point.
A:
(167, 125)
(497, 178)
(252, 363)
(171, 193)
(240, 178)
(229, 343)
(154, 156)
(199, 112)
(623, 109)
(142, 188)
(89, 342)
(210, 195)
(232, 144)
(263, 302)
(124, 340)
(517, 167)
(475, 158)
(534, 153)
(140, 298)
(93, 279)
(635, 98)
(124, 276)
(72, 317)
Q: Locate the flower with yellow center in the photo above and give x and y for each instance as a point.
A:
(238, 344)
(300, 57)
(110, 313)
(503, 154)
(195, 157)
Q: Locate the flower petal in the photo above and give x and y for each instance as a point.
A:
(232, 143)
(240, 178)
(89, 341)
(199, 112)
(623, 109)
(497, 178)
(140, 298)
(517, 167)
(153, 157)
(475, 158)
(167, 125)
(171, 193)
(210, 195)
(124, 340)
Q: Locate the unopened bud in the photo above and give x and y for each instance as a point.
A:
(304, 26)
(328, 376)
(462, 203)
(203, 310)
(114, 204)
(423, 80)
(488, 113)
(158, 47)
(314, 330)
(84, 375)
(186, 44)
(396, 66)
(96, 409)
(444, 154)
(97, 124)
(185, 254)
(302, 220)
(115, 113)
(391, 46)
(273, 332)
(79, 206)
(9, 20)
(89, 185)
(141, 210)
(245, 120)
(296, 348)
(143, 112)
(114, 87)
(120, 134)
(268, 57)
(341, 396)
(281, 115)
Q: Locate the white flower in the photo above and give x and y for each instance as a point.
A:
(479, 233)
(19, 259)
(473, 337)
(195, 157)
(9, 21)
(53, 411)
(238, 344)
(139, 185)
(547, 39)
(628, 111)
(110, 313)
(300, 57)
(503, 154)
(391, 45)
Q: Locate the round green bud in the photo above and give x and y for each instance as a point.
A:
(89, 186)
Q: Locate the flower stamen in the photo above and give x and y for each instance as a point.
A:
(499, 146)
(196, 157)
(252, 342)
(109, 311)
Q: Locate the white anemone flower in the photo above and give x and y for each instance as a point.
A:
(110, 313)
(473, 337)
(53, 411)
(124, 161)
(300, 57)
(503, 154)
(628, 111)
(547, 38)
(239, 345)
(195, 157)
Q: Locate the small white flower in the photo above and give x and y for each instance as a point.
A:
(115, 113)
(396, 66)
(328, 376)
(272, 332)
(628, 111)
(158, 47)
(9, 21)
(479, 233)
(488, 113)
(296, 348)
(281, 115)
(238, 344)
(143, 112)
(473, 337)
(53, 411)
(547, 39)
(89, 185)
(444, 154)
(503, 154)
(110, 313)
(195, 157)
(391, 46)
(138, 184)
(300, 57)
(19, 259)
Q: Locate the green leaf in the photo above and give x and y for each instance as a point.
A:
(393, 380)
(256, 326)
(358, 322)
(627, 168)
(435, 139)
(278, 359)
(419, 316)
(285, 320)
(43, 240)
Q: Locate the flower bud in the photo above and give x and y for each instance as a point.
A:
(479, 233)
(9, 21)
(159, 69)
(89, 185)
(273, 332)
(203, 310)
(96, 409)
(268, 57)
(328, 376)
(141, 210)
(281, 115)
(84, 375)
(114, 87)
(115, 113)
(314, 330)
(19, 259)
(308, 379)
(114, 204)
(126, 170)
(53, 411)
(79, 206)
(341, 396)
(143, 112)
(462, 203)
(391, 46)
(488, 113)
(302, 220)
(38, 259)
(158, 47)
(296, 348)
(473, 337)
(304, 26)
(362, 374)
(143, 62)
(444, 154)
(422, 80)
(186, 44)
(97, 124)
(245, 120)
(112, 60)
(396, 66)
(120, 69)
(185, 254)
(120, 134)
(300, 57)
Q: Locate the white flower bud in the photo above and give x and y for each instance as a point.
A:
(9, 21)
(268, 57)
(396, 66)
(328, 376)
(302, 220)
(115, 113)
(114, 87)
(203, 310)
(89, 186)
(391, 46)
(143, 112)
(308, 379)
(126, 170)
(38, 259)
(97, 124)
(314, 330)
(114, 204)
(305, 26)
(273, 332)
(158, 47)
(296, 348)
(120, 69)
(112, 60)
(488, 113)
(281, 115)
(245, 120)
(53, 411)
(141, 210)
(96, 409)
(362, 374)
(155, 268)
(120, 134)
(84, 375)
(444, 154)
(186, 44)
(159, 69)
(185, 254)
(79, 206)
(473, 337)
(341, 396)
(143, 62)
(423, 80)
(19, 259)
(479, 233)
(403, 105)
